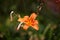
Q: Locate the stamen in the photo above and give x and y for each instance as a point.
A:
(39, 8)
(19, 25)
(18, 16)
(11, 15)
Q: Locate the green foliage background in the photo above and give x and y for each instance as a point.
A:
(49, 23)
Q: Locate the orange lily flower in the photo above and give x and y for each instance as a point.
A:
(29, 21)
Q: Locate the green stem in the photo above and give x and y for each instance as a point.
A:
(46, 29)
(50, 34)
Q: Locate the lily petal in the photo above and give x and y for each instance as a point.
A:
(23, 19)
(35, 27)
(25, 27)
(26, 18)
(33, 16)
(35, 22)
(20, 20)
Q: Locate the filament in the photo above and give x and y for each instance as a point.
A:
(19, 25)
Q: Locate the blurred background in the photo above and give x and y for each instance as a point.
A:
(48, 18)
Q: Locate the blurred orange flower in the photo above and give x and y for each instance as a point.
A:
(29, 21)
